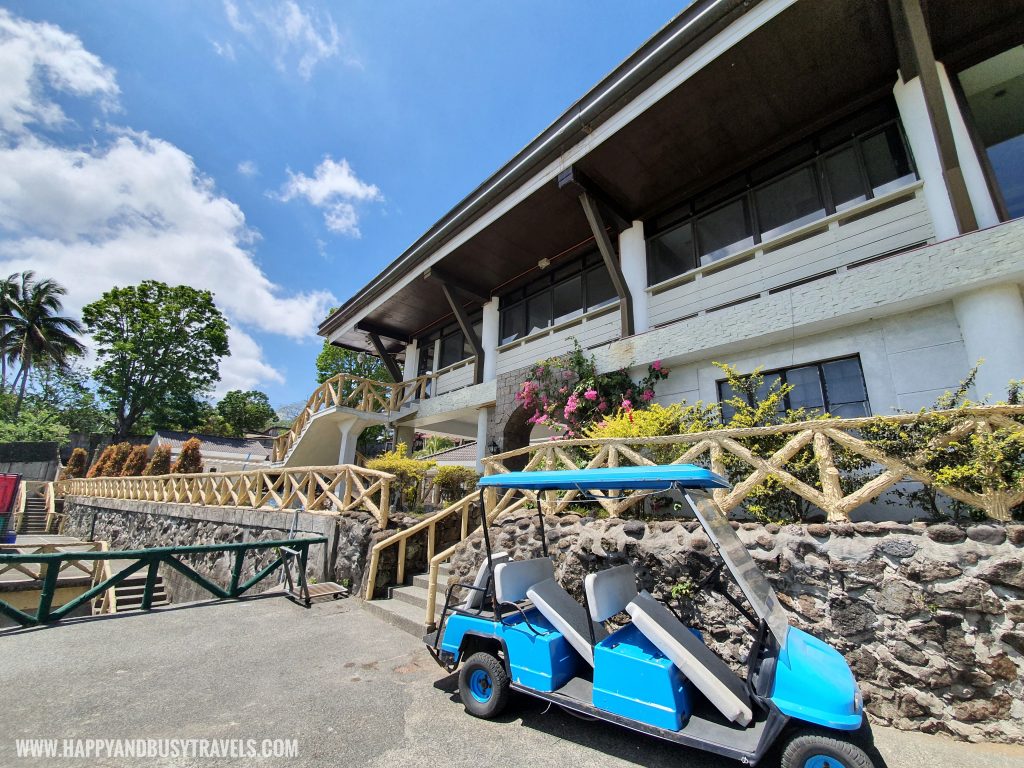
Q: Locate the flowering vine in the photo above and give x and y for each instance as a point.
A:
(567, 393)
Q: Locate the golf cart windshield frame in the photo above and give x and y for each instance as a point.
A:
(695, 485)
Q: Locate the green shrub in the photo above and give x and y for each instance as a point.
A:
(190, 460)
(408, 472)
(76, 465)
(160, 464)
(455, 482)
(136, 462)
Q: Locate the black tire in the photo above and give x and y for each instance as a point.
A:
(832, 750)
(484, 685)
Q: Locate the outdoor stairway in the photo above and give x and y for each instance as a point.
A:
(128, 594)
(407, 604)
(33, 523)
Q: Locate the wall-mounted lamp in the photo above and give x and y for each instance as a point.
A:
(361, 358)
(544, 263)
(494, 447)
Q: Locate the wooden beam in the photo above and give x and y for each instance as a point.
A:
(579, 182)
(467, 330)
(385, 356)
(917, 59)
(453, 281)
(611, 261)
(382, 330)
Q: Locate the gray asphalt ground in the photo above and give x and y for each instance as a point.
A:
(351, 689)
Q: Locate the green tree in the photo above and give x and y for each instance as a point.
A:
(333, 360)
(155, 343)
(34, 329)
(245, 411)
(67, 391)
(33, 426)
(190, 460)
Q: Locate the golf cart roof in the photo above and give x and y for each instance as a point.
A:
(660, 477)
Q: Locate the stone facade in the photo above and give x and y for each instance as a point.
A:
(931, 618)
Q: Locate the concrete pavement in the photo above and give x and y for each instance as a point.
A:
(349, 688)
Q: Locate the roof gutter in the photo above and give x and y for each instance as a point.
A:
(603, 101)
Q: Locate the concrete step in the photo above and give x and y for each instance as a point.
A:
(133, 592)
(398, 614)
(423, 579)
(135, 605)
(415, 595)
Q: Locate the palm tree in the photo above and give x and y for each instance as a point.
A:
(34, 330)
(8, 289)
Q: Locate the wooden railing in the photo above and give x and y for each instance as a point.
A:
(50, 497)
(357, 393)
(316, 489)
(19, 506)
(713, 449)
(107, 603)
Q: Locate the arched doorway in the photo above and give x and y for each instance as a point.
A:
(516, 434)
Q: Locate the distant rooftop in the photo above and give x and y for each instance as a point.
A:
(243, 447)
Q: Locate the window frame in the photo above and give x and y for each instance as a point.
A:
(820, 365)
(824, 145)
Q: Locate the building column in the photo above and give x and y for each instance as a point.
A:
(405, 435)
(412, 360)
(974, 175)
(992, 325)
(482, 450)
(910, 101)
(350, 430)
(633, 258)
(489, 336)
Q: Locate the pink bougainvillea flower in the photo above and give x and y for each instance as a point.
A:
(563, 390)
(602, 406)
(648, 395)
(656, 365)
(627, 405)
(590, 394)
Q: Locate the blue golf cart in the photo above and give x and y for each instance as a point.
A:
(519, 630)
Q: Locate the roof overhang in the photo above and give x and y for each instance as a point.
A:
(724, 84)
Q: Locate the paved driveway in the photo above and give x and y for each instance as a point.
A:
(351, 690)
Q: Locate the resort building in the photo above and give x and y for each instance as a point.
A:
(830, 189)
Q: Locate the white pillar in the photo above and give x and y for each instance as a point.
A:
(992, 325)
(350, 430)
(633, 258)
(970, 166)
(481, 438)
(489, 336)
(914, 115)
(412, 360)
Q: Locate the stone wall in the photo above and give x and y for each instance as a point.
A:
(931, 618)
(139, 525)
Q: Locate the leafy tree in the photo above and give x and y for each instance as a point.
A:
(160, 464)
(34, 425)
(245, 411)
(118, 458)
(190, 460)
(156, 344)
(34, 330)
(409, 473)
(99, 467)
(76, 465)
(455, 482)
(67, 391)
(333, 360)
(135, 463)
(213, 424)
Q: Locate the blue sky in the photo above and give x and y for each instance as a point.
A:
(277, 153)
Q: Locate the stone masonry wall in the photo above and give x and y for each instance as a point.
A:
(930, 618)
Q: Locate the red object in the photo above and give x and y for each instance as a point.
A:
(8, 492)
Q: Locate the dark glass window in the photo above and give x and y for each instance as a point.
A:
(538, 312)
(788, 202)
(835, 387)
(845, 180)
(455, 347)
(452, 348)
(513, 323)
(886, 161)
(853, 161)
(567, 299)
(724, 231)
(600, 290)
(670, 254)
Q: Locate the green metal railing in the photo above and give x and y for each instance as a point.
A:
(152, 559)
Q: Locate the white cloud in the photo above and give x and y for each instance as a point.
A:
(224, 50)
(334, 188)
(35, 56)
(296, 39)
(248, 168)
(129, 209)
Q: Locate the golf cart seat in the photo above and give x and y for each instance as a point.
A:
(475, 599)
(609, 591)
(567, 616)
(702, 666)
(514, 578)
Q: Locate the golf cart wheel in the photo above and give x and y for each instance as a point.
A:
(817, 749)
(484, 685)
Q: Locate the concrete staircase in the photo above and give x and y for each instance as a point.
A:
(407, 604)
(128, 594)
(33, 523)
